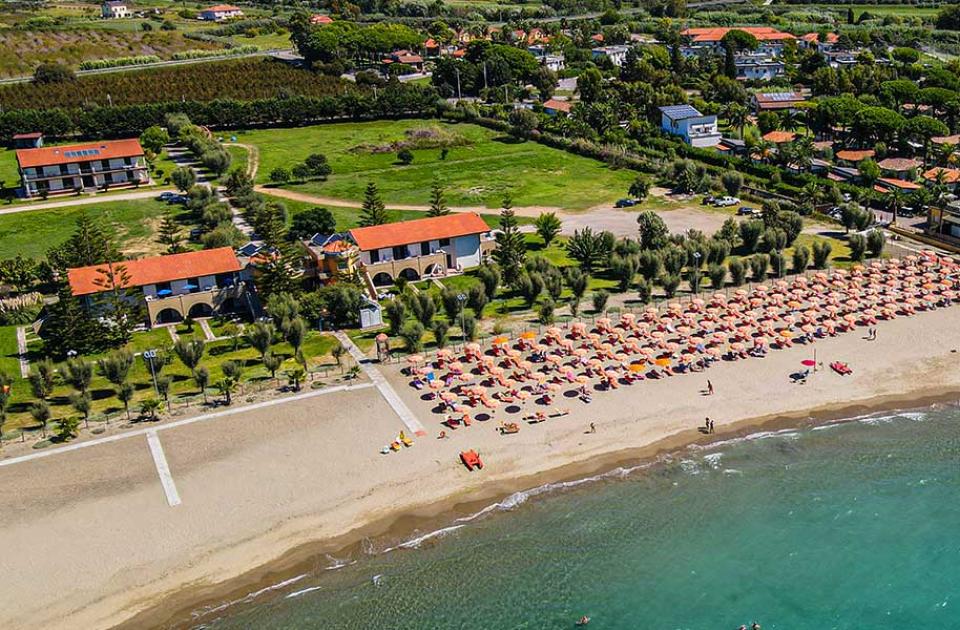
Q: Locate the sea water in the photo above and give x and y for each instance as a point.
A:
(849, 525)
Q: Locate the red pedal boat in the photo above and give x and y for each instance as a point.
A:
(841, 368)
(471, 459)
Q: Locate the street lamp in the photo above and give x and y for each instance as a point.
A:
(696, 269)
(461, 299)
(149, 356)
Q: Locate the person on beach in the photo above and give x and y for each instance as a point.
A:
(711, 426)
(593, 428)
(706, 424)
(709, 388)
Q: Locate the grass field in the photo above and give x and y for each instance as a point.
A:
(134, 224)
(478, 173)
(905, 10)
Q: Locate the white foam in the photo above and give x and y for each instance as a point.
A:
(519, 498)
(414, 543)
(302, 592)
(249, 597)
(713, 460)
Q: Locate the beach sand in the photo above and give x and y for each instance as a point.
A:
(89, 540)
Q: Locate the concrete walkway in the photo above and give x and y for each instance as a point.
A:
(22, 351)
(386, 390)
(207, 331)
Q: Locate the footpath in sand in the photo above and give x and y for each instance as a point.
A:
(90, 537)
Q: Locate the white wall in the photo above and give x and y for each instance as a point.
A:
(467, 251)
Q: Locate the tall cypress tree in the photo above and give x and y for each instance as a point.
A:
(438, 204)
(278, 271)
(69, 327)
(511, 249)
(90, 244)
(373, 211)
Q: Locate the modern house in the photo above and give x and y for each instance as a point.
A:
(423, 247)
(220, 12)
(900, 168)
(616, 54)
(331, 258)
(685, 121)
(404, 57)
(812, 40)
(949, 177)
(757, 67)
(114, 9)
(82, 167)
(777, 101)
(169, 288)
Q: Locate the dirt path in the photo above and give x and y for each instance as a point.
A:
(87, 200)
(253, 157)
(523, 211)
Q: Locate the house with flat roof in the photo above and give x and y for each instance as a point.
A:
(114, 9)
(32, 140)
(616, 54)
(429, 247)
(220, 12)
(82, 167)
(169, 288)
(687, 122)
(758, 67)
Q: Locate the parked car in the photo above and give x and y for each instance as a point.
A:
(745, 211)
(723, 202)
(168, 195)
(709, 199)
(625, 203)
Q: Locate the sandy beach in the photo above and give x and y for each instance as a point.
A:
(91, 541)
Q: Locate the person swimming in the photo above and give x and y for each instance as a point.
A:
(584, 620)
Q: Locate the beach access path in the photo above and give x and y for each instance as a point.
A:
(255, 484)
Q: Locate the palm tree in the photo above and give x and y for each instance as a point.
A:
(189, 351)
(738, 116)
(260, 336)
(150, 406)
(296, 376)
(226, 385)
(895, 200)
(790, 120)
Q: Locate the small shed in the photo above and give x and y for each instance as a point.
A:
(371, 315)
(28, 140)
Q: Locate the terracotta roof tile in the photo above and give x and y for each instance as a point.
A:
(950, 175)
(855, 156)
(779, 137)
(418, 230)
(209, 262)
(899, 164)
(71, 153)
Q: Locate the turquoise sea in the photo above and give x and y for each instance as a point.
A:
(848, 525)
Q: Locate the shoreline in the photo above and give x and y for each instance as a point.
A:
(408, 521)
(264, 492)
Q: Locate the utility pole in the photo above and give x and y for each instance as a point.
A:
(485, 86)
(459, 96)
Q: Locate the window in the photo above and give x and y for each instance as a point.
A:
(374, 256)
(425, 248)
(444, 242)
(400, 252)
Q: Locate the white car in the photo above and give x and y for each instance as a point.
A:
(723, 202)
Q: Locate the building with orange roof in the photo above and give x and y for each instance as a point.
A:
(710, 39)
(780, 137)
(90, 166)
(888, 184)
(220, 12)
(812, 40)
(949, 177)
(853, 156)
(553, 107)
(433, 246)
(404, 57)
(901, 168)
(319, 18)
(170, 288)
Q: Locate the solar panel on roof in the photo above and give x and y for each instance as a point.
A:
(676, 112)
(81, 153)
(781, 96)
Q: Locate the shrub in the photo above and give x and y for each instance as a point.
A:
(750, 232)
(545, 312)
(670, 282)
(801, 258)
(875, 242)
(600, 300)
(778, 262)
(821, 254)
(718, 275)
(644, 290)
(738, 272)
(759, 265)
(858, 246)
(412, 335)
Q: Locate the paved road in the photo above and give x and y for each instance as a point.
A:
(87, 200)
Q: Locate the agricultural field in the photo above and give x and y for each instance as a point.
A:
(22, 51)
(903, 10)
(134, 222)
(244, 79)
(479, 168)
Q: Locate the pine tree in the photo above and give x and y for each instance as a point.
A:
(511, 249)
(277, 274)
(90, 244)
(120, 311)
(438, 205)
(373, 211)
(169, 233)
(69, 327)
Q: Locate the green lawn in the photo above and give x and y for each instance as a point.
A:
(480, 172)
(9, 364)
(33, 232)
(905, 10)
